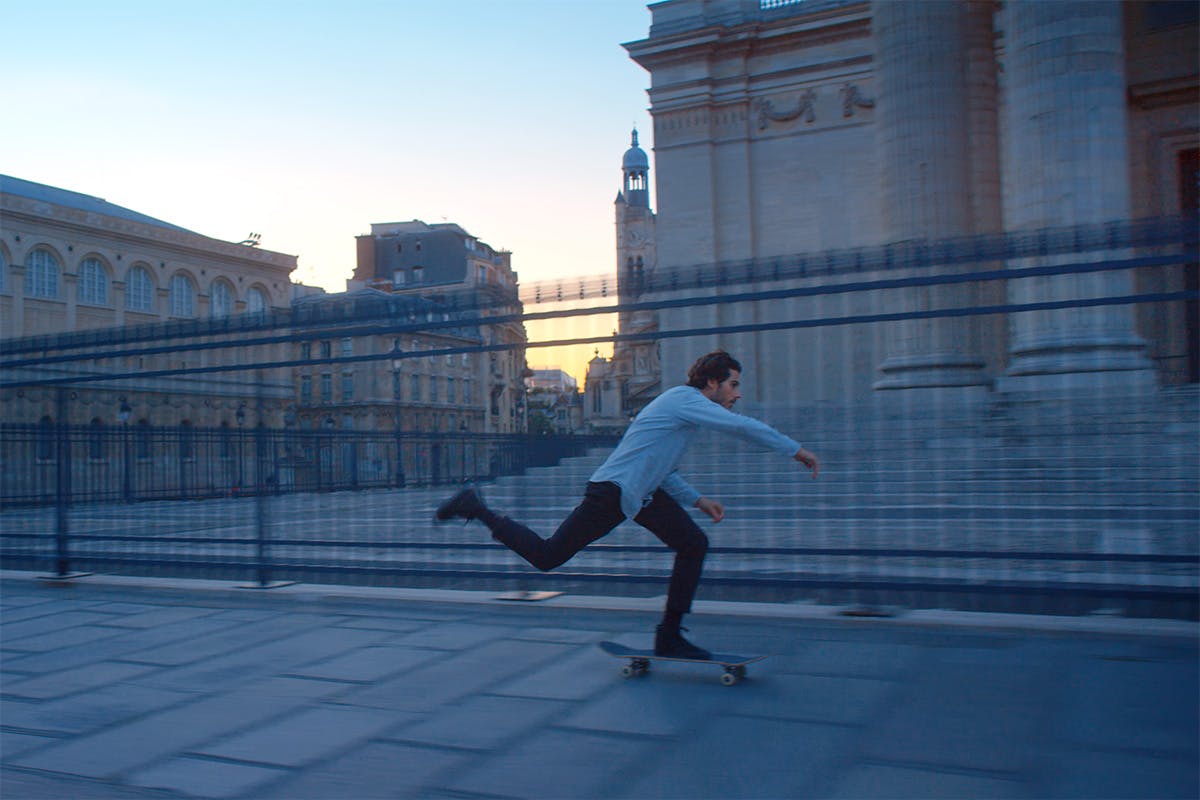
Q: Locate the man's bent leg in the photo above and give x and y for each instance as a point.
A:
(667, 520)
(596, 515)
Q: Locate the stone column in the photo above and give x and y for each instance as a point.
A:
(1067, 163)
(118, 301)
(69, 294)
(924, 117)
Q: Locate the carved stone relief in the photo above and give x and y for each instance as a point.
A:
(805, 107)
(852, 98)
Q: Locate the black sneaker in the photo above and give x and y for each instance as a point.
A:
(669, 642)
(466, 504)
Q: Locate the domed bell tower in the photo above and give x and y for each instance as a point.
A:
(635, 362)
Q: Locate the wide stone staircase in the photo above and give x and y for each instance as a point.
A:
(1094, 499)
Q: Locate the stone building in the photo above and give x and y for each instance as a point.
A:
(445, 264)
(419, 394)
(79, 275)
(786, 127)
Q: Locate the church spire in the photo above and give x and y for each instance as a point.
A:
(635, 169)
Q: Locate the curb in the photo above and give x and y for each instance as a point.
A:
(922, 618)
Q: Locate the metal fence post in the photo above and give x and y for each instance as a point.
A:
(260, 493)
(62, 498)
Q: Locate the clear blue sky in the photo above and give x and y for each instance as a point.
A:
(307, 121)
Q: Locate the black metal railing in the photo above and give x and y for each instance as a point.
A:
(86, 464)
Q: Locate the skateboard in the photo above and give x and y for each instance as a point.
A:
(639, 661)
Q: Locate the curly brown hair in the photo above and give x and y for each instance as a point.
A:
(715, 366)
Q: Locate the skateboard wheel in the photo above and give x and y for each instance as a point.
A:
(628, 671)
(729, 679)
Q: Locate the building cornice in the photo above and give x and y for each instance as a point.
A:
(192, 247)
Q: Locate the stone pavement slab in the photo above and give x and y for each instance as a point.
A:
(648, 707)
(378, 771)
(368, 664)
(203, 777)
(555, 763)
(315, 694)
(576, 676)
(445, 680)
(302, 737)
(817, 698)
(942, 705)
(882, 782)
(112, 752)
(736, 756)
(82, 713)
(70, 681)
(481, 722)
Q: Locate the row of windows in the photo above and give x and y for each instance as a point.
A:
(346, 349)
(42, 271)
(415, 394)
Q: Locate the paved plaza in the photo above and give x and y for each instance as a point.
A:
(142, 688)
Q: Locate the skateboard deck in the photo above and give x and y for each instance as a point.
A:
(639, 661)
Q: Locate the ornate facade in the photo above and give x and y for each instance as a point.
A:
(783, 128)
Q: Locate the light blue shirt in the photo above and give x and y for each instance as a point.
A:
(649, 452)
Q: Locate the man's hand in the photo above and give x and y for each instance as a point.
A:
(809, 460)
(715, 510)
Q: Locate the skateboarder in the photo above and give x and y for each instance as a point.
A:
(638, 481)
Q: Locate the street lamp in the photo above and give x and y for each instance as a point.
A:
(397, 363)
(123, 415)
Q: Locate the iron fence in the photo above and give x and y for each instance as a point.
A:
(1080, 502)
(54, 463)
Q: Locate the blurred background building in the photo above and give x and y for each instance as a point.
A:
(445, 264)
(555, 405)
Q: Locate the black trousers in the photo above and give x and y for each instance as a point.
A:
(594, 517)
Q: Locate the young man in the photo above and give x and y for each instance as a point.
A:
(638, 481)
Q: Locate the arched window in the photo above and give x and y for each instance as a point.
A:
(93, 282)
(139, 289)
(183, 296)
(256, 301)
(3, 272)
(41, 274)
(221, 300)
